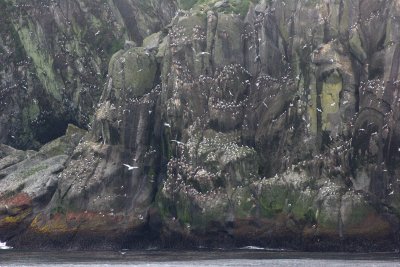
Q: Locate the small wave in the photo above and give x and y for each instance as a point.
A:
(152, 248)
(3, 245)
(261, 248)
(253, 248)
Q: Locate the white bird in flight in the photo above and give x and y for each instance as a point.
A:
(178, 142)
(130, 167)
(203, 53)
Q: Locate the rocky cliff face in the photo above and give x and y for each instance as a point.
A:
(55, 55)
(247, 123)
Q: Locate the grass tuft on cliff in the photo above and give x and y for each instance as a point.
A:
(232, 6)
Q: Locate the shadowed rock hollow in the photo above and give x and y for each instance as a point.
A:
(264, 123)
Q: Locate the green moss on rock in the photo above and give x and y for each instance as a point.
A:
(330, 99)
(31, 40)
(272, 200)
(64, 144)
(356, 46)
(133, 71)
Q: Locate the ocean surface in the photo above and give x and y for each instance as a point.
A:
(154, 258)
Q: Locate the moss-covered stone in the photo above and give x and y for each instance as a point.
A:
(13, 221)
(355, 210)
(133, 71)
(356, 46)
(153, 41)
(65, 144)
(32, 41)
(303, 205)
(272, 200)
(328, 214)
(226, 6)
(330, 101)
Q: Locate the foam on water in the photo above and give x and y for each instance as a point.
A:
(3, 245)
(253, 248)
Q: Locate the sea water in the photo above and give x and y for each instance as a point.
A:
(154, 258)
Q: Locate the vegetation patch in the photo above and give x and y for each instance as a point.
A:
(33, 170)
(230, 6)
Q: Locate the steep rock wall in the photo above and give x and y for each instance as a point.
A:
(55, 55)
(276, 126)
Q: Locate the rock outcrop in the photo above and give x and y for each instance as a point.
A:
(263, 123)
(55, 54)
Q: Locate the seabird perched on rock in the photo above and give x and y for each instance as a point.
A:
(203, 53)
